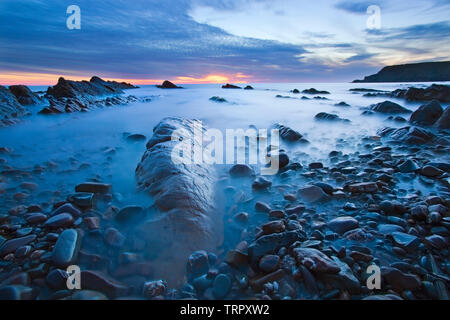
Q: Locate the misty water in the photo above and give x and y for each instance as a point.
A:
(92, 147)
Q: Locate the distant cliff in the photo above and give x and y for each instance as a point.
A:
(417, 72)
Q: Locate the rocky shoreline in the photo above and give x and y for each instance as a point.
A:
(66, 96)
(310, 232)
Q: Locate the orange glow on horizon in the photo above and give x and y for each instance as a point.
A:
(47, 79)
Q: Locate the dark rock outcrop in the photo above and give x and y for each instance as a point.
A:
(323, 116)
(248, 88)
(314, 91)
(69, 96)
(427, 114)
(168, 85)
(444, 120)
(409, 135)
(230, 86)
(288, 134)
(10, 108)
(417, 72)
(433, 92)
(389, 107)
(184, 195)
(24, 95)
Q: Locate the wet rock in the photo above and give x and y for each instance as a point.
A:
(237, 258)
(323, 116)
(437, 241)
(270, 243)
(408, 166)
(230, 86)
(388, 229)
(66, 248)
(345, 279)
(315, 261)
(399, 280)
(444, 121)
(24, 95)
(389, 107)
(36, 218)
(296, 210)
(67, 208)
(342, 104)
(156, 288)
(168, 85)
(314, 91)
(288, 134)
(10, 108)
(248, 88)
(57, 279)
(218, 99)
(221, 286)
(91, 187)
(12, 245)
(198, 263)
(129, 213)
(312, 194)
(92, 223)
(261, 183)
(136, 137)
(114, 238)
(427, 114)
(431, 172)
(365, 187)
(241, 170)
(419, 213)
(93, 280)
(343, 224)
(406, 241)
(82, 199)
(327, 188)
(273, 227)
(262, 207)
(62, 220)
(315, 165)
(269, 263)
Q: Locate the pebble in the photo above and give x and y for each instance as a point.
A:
(312, 194)
(62, 220)
(269, 263)
(114, 238)
(221, 286)
(343, 224)
(91, 187)
(12, 245)
(66, 249)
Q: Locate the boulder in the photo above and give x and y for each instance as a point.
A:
(316, 261)
(323, 116)
(230, 86)
(314, 91)
(184, 196)
(288, 134)
(168, 85)
(427, 114)
(24, 95)
(444, 121)
(388, 107)
(10, 108)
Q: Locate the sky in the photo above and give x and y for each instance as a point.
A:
(217, 41)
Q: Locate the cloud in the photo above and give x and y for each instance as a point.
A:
(356, 7)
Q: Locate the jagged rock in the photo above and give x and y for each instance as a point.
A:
(314, 91)
(323, 116)
(427, 114)
(10, 108)
(388, 107)
(444, 121)
(168, 85)
(409, 135)
(184, 195)
(288, 134)
(434, 92)
(316, 261)
(24, 95)
(230, 86)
